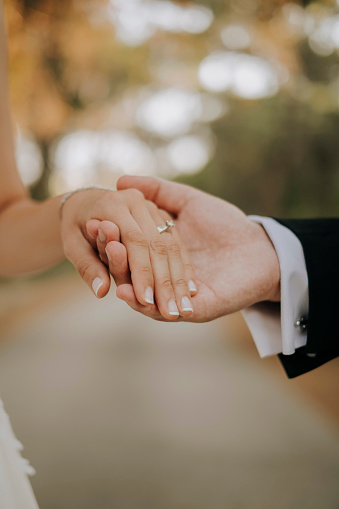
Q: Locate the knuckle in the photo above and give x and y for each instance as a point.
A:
(137, 238)
(108, 197)
(173, 249)
(165, 283)
(179, 282)
(134, 194)
(84, 269)
(146, 271)
(158, 246)
(104, 203)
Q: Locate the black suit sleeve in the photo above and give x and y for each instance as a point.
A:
(320, 241)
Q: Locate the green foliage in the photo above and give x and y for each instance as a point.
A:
(275, 157)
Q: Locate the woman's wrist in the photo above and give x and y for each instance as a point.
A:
(67, 196)
(34, 228)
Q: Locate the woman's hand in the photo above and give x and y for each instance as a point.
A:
(158, 264)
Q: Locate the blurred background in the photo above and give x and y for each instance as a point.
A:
(241, 99)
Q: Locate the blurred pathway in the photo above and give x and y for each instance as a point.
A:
(118, 412)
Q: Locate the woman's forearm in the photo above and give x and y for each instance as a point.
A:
(30, 236)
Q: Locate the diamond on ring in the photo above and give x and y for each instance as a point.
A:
(166, 227)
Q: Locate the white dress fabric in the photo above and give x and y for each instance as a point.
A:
(15, 489)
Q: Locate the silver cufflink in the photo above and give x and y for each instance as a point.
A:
(301, 323)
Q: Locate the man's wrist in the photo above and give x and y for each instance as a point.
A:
(272, 263)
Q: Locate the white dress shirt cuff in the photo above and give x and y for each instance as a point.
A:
(272, 325)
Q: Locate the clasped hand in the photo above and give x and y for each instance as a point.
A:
(122, 228)
(229, 258)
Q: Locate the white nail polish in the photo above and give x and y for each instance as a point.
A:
(186, 304)
(97, 284)
(173, 308)
(101, 236)
(149, 295)
(192, 287)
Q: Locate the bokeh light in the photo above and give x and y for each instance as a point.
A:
(80, 157)
(28, 158)
(321, 40)
(300, 20)
(236, 37)
(245, 75)
(136, 21)
(189, 154)
(169, 112)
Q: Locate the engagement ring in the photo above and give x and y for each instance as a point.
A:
(166, 227)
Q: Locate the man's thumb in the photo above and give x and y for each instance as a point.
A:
(166, 195)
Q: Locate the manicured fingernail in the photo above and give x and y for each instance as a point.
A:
(101, 236)
(173, 308)
(97, 284)
(109, 256)
(149, 295)
(192, 287)
(186, 304)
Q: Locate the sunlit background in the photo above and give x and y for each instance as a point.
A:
(239, 98)
(233, 97)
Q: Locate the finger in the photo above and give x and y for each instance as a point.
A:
(174, 263)
(166, 195)
(138, 254)
(91, 269)
(118, 263)
(164, 291)
(185, 257)
(107, 232)
(92, 232)
(126, 293)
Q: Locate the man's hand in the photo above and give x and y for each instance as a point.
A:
(234, 260)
